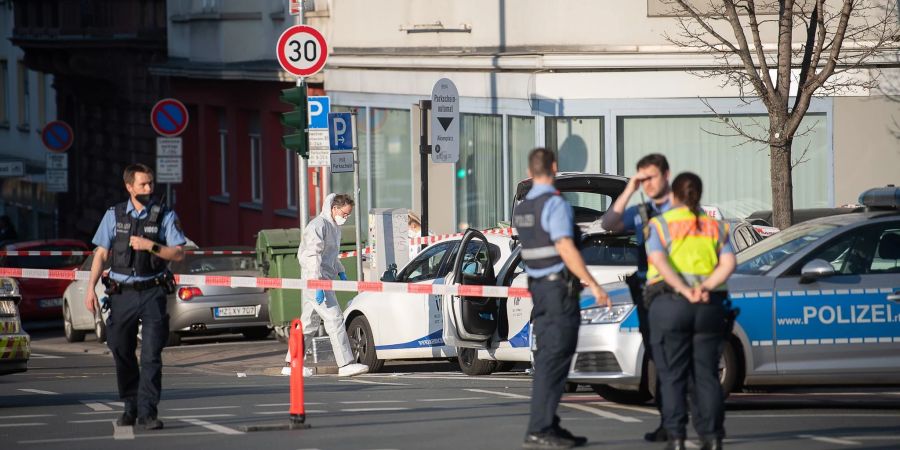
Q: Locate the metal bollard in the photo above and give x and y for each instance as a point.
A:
(295, 347)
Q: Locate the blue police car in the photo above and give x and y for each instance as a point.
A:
(819, 304)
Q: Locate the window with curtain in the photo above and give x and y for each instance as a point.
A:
(391, 164)
(520, 139)
(223, 153)
(479, 172)
(735, 173)
(256, 172)
(343, 182)
(578, 143)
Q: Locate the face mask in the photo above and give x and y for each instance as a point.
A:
(143, 198)
(340, 220)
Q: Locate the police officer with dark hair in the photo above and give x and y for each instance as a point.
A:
(690, 259)
(140, 236)
(555, 268)
(653, 177)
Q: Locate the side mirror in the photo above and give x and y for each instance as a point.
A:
(390, 275)
(815, 270)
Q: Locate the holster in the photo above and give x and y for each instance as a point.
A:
(112, 286)
(169, 283)
(651, 291)
(636, 288)
(572, 282)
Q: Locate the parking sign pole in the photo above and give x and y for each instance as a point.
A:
(302, 167)
(424, 151)
(356, 194)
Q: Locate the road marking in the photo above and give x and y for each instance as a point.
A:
(211, 426)
(371, 401)
(445, 377)
(373, 409)
(90, 421)
(38, 391)
(872, 438)
(96, 412)
(26, 416)
(450, 399)
(28, 424)
(123, 433)
(587, 409)
(45, 356)
(103, 438)
(828, 440)
(96, 406)
(119, 404)
(374, 382)
(274, 413)
(629, 408)
(769, 416)
(192, 417)
(200, 408)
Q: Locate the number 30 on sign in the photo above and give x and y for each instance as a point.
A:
(302, 50)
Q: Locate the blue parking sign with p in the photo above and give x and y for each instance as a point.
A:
(340, 131)
(319, 107)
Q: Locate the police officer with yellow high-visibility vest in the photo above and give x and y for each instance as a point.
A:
(690, 258)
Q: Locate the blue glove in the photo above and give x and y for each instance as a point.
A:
(320, 296)
(342, 276)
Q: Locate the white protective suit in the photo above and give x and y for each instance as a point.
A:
(318, 256)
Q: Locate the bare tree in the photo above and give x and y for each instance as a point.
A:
(838, 44)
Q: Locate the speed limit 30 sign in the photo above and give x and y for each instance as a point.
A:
(302, 50)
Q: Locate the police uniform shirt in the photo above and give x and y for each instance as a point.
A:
(557, 218)
(631, 218)
(106, 234)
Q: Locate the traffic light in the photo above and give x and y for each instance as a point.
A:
(298, 119)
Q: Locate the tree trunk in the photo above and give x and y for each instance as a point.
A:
(782, 185)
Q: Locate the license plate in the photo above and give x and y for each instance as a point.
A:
(234, 311)
(50, 302)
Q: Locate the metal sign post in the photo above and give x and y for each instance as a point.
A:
(356, 215)
(424, 151)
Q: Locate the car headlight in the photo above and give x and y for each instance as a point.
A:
(9, 287)
(616, 313)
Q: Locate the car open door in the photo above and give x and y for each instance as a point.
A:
(471, 321)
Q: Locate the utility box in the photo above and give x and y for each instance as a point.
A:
(388, 234)
(276, 253)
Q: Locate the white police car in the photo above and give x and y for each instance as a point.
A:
(819, 304)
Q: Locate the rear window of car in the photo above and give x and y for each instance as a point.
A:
(45, 262)
(609, 250)
(194, 264)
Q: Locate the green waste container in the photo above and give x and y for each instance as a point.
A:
(276, 252)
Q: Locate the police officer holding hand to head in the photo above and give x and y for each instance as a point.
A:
(690, 259)
(555, 268)
(140, 236)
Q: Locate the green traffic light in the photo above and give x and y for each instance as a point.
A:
(295, 119)
(297, 143)
(298, 119)
(293, 95)
(461, 173)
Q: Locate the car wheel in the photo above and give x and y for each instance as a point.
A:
(257, 333)
(72, 335)
(100, 328)
(173, 339)
(616, 395)
(471, 365)
(362, 344)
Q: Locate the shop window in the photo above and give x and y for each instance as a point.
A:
(479, 172)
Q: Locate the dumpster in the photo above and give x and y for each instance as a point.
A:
(276, 253)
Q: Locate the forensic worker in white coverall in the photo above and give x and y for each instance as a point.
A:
(318, 256)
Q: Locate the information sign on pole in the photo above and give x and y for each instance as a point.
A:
(444, 122)
(319, 151)
(168, 169)
(341, 162)
(57, 161)
(169, 117)
(302, 50)
(57, 180)
(168, 146)
(339, 131)
(57, 136)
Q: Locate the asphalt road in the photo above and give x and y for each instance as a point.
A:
(212, 388)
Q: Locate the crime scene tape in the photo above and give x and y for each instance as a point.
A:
(292, 283)
(87, 252)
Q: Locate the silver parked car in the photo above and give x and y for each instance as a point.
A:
(193, 310)
(819, 304)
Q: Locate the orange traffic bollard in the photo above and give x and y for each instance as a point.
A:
(295, 347)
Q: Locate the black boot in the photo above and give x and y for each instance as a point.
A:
(710, 443)
(675, 444)
(657, 435)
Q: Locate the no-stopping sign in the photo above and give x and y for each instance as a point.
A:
(302, 50)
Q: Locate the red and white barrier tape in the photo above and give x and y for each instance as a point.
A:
(293, 283)
(86, 252)
(765, 231)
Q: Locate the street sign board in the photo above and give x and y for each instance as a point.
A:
(319, 157)
(302, 50)
(169, 117)
(57, 136)
(340, 131)
(57, 180)
(341, 162)
(57, 161)
(12, 169)
(319, 108)
(168, 169)
(168, 146)
(295, 7)
(444, 122)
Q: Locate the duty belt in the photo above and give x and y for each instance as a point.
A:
(159, 280)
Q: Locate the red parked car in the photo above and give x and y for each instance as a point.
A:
(42, 299)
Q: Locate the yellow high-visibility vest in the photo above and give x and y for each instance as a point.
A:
(693, 251)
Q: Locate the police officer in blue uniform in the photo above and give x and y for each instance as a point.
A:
(548, 235)
(653, 177)
(140, 236)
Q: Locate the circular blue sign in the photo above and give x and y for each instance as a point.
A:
(57, 136)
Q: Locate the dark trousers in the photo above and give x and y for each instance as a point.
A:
(636, 288)
(140, 386)
(556, 319)
(688, 340)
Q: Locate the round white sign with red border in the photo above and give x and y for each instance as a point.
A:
(169, 117)
(302, 50)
